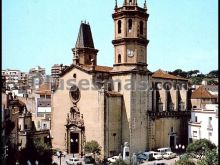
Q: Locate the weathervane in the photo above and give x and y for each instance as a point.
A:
(145, 4)
(116, 4)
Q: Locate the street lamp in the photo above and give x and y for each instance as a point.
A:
(180, 148)
(60, 155)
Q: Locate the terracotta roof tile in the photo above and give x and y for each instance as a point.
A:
(162, 74)
(98, 68)
(44, 89)
(103, 68)
(202, 93)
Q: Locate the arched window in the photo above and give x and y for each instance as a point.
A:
(119, 58)
(129, 25)
(171, 129)
(141, 27)
(119, 86)
(119, 26)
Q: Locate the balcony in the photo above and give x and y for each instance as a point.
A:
(196, 124)
(209, 127)
(156, 115)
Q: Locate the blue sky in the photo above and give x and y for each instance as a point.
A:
(183, 33)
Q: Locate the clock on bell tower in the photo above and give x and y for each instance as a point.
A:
(130, 35)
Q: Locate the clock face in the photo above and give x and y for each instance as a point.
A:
(130, 53)
(74, 94)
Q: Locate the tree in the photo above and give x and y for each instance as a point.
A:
(197, 149)
(92, 147)
(36, 150)
(195, 72)
(212, 82)
(120, 162)
(192, 73)
(211, 157)
(179, 72)
(196, 80)
(201, 75)
(213, 73)
(44, 151)
(185, 162)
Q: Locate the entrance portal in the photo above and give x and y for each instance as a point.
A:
(74, 142)
(172, 142)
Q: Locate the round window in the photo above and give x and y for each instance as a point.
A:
(74, 94)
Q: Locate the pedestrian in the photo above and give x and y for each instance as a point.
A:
(28, 162)
(134, 159)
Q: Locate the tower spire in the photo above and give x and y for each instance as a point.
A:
(130, 2)
(145, 4)
(116, 4)
(84, 49)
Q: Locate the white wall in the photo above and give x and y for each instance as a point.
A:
(203, 121)
(44, 109)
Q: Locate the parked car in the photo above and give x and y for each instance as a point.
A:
(89, 160)
(73, 161)
(156, 155)
(163, 150)
(113, 159)
(149, 156)
(169, 155)
(141, 157)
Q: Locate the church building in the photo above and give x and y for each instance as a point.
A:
(118, 104)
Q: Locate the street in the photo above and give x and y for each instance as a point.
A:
(63, 160)
(168, 162)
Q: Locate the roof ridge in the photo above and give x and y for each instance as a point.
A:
(164, 74)
(202, 92)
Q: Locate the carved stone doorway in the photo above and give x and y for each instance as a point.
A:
(172, 141)
(75, 139)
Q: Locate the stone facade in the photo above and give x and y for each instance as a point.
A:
(167, 125)
(116, 105)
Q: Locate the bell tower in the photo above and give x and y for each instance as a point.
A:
(130, 36)
(84, 52)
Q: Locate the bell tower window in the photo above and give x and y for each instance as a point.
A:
(129, 25)
(141, 28)
(119, 26)
(119, 58)
(119, 86)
